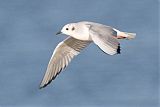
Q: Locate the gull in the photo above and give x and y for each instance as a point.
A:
(80, 35)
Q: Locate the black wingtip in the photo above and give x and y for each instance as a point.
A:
(119, 49)
(43, 86)
(40, 87)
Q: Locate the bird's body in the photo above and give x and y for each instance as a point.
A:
(83, 30)
(81, 34)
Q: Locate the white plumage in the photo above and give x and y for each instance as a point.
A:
(81, 35)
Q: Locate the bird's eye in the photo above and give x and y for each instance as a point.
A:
(66, 28)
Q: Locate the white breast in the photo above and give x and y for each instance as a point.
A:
(81, 33)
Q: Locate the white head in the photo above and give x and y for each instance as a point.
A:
(68, 29)
(77, 30)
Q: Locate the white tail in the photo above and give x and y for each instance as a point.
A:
(130, 36)
(125, 35)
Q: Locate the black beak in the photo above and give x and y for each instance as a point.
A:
(58, 33)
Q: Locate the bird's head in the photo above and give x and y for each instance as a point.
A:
(68, 29)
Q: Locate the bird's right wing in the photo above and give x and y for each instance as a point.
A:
(61, 57)
(103, 37)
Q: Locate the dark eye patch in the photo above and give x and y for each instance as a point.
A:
(73, 28)
(66, 28)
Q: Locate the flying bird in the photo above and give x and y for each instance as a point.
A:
(80, 35)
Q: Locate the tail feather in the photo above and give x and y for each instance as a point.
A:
(130, 35)
(125, 35)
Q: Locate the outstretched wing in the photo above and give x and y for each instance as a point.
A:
(61, 57)
(103, 36)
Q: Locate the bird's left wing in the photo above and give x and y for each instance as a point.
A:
(61, 57)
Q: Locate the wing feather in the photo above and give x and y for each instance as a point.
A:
(62, 55)
(103, 37)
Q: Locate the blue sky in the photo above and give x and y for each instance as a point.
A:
(27, 40)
